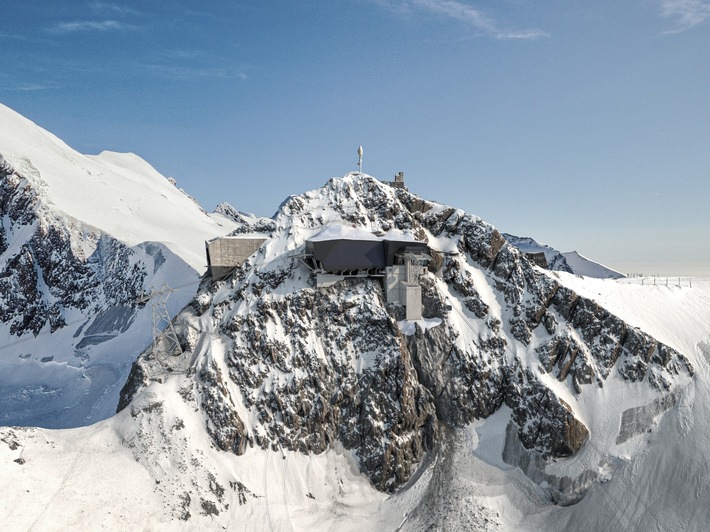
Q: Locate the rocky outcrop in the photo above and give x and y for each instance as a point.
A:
(45, 274)
(556, 261)
(303, 368)
(382, 411)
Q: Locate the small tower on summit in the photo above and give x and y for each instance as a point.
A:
(398, 181)
(359, 159)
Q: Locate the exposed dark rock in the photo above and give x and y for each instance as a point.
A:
(316, 366)
(47, 276)
(137, 379)
(223, 423)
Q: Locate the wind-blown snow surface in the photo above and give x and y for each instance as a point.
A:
(80, 238)
(631, 478)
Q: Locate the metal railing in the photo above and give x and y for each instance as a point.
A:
(680, 282)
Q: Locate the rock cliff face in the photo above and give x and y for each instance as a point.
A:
(47, 271)
(280, 363)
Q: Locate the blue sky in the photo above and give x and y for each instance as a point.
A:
(585, 125)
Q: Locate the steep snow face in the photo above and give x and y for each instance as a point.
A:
(581, 265)
(571, 261)
(118, 194)
(281, 364)
(81, 237)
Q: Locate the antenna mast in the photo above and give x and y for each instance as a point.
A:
(359, 159)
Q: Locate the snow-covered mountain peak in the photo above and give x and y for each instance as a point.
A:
(356, 200)
(119, 194)
(295, 404)
(278, 361)
(240, 217)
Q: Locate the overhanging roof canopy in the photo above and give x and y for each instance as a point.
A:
(339, 254)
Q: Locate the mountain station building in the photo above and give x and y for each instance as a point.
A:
(398, 262)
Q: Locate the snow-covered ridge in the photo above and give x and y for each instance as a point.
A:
(119, 194)
(569, 261)
(585, 266)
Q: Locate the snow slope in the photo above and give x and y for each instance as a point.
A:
(665, 487)
(581, 265)
(118, 194)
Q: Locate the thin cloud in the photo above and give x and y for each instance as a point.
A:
(187, 73)
(12, 36)
(92, 25)
(32, 87)
(687, 13)
(108, 7)
(190, 65)
(459, 11)
(463, 12)
(525, 35)
(183, 54)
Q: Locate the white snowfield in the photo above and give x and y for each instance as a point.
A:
(124, 474)
(581, 265)
(117, 193)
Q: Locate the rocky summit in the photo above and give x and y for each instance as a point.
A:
(274, 360)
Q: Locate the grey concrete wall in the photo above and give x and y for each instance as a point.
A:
(225, 254)
(393, 279)
(327, 279)
(413, 301)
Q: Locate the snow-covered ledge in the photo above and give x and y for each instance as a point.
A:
(409, 327)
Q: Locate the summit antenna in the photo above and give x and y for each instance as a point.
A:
(359, 159)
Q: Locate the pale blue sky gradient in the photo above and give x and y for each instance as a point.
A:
(585, 125)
